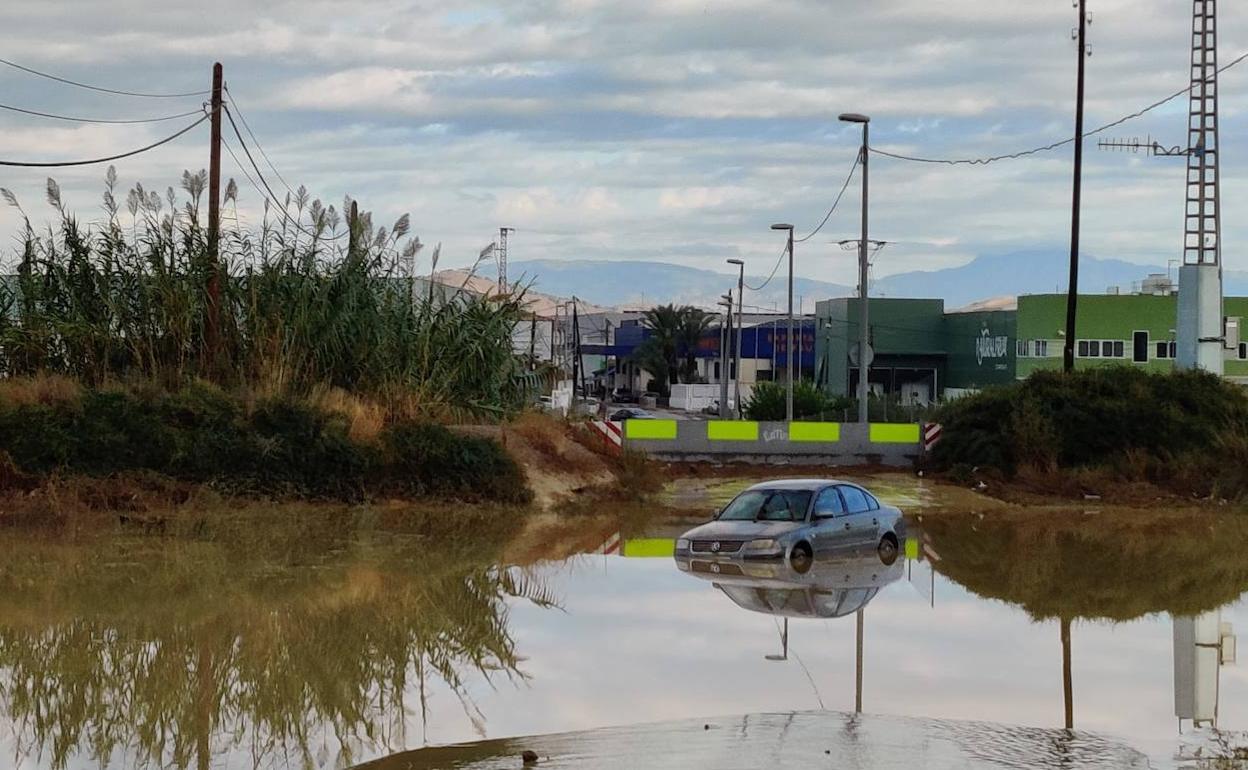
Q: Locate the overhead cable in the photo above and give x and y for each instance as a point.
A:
(826, 217)
(1054, 145)
(130, 121)
(256, 141)
(58, 164)
(101, 89)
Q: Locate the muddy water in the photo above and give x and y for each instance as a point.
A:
(331, 639)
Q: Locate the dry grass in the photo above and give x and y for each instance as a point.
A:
(38, 389)
(551, 439)
(365, 418)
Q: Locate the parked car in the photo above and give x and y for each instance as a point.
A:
(631, 413)
(798, 520)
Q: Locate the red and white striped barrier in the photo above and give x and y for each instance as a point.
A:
(611, 546)
(612, 432)
(931, 435)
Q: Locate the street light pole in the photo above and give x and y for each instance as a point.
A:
(788, 399)
(864, 339)
(725, 337)
(740, 308)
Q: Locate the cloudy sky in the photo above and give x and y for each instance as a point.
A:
(673, 130)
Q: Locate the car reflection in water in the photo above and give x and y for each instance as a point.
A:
(827, 587)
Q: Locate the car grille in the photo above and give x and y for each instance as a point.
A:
(716, 568)
(708, 546)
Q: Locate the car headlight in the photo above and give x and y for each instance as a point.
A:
(682, 544)
(761, 545)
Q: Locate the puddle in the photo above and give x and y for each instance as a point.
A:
(307, 643)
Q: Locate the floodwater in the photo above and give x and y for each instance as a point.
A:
(331, 640)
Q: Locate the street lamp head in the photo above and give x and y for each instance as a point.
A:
(853, 117)
(736, 262)
(776, 657)
(782, 227)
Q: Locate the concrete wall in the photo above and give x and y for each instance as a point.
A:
(824, 443)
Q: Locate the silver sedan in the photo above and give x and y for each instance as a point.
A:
(797, 520)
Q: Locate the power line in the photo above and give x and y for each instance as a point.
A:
(826, 217)
(270, 196)
(36, 113)
(101, 89)
(1054, 145)
(58, 164)
(260, 147)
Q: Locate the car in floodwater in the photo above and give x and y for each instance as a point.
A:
(831, 587)
(797, 520)
(631, 413)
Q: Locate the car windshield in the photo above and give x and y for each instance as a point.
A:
(768, 505)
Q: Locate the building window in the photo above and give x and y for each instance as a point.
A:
(1041, 347)
(1094, 348)
(1119, 348)
(1172, 347)
(1021, 348)
(1139, 347)
(1083, 348)
(1243, 350)
(1163, 350)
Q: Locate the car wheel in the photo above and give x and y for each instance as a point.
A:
(887, 550)
(801, 557)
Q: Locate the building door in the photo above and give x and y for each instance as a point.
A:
(1139, 347)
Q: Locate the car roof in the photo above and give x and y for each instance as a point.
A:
(799, 484)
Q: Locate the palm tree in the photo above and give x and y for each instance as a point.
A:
(693, 323)
(665, 323)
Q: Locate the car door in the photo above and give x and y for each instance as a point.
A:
(830, 525)
(860, 521)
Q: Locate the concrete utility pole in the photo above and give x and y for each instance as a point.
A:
(503, 232)
(788, 400)
(1072, 288)
(864, 335)
(740, 308)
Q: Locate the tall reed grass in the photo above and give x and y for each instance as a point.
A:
(307, 300)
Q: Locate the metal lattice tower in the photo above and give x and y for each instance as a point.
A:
(1202, 242)
(503, 286)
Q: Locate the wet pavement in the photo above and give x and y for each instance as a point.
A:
(315, 645)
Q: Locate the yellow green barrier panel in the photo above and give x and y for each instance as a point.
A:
(648, 547)
(732, 430)
(895, 433)
(912, 548)
(814, 431)
(662, 430)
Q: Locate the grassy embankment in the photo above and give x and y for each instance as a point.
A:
(308, 360)
(1118, 430)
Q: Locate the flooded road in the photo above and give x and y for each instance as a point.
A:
(365, 635)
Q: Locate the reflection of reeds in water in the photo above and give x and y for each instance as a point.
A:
(271, 640)
(1113, 565)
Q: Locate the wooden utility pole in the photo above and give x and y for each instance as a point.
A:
(213, 331)
(1072, 287)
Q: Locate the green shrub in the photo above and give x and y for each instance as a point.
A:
(767, 402)
(285, 446)
(430, 459)
(1102, 417)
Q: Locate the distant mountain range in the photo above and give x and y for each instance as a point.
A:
(628, 283)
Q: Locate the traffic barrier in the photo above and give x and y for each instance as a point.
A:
(894, 433)
(815, 431)
(650, 430)
(732, 430)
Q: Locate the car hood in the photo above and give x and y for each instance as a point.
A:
(740, 530)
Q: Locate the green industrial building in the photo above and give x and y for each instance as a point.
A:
(923, 352)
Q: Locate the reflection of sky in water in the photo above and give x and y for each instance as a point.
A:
(640, 641)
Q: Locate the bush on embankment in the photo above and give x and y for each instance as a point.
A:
(280, 446)
(1186, 430)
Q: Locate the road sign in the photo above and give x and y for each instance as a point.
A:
(853, 354)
